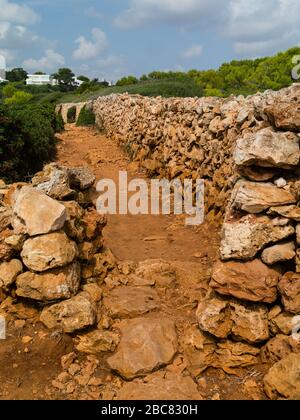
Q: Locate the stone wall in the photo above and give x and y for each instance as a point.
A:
(189, 137)
(64, 108)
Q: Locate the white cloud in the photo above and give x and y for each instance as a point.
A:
(88, 49)
(50, 61)
(253, 27)
(92, 12)
(110, 61)
(193, 51)
(13, 12)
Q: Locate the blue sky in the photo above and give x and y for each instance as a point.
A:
(112, 38)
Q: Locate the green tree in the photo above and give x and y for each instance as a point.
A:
(9, 90)
(83, 78)
(16, 75)
(65, 78)
(127, 81)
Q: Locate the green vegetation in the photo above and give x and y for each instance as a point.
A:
(86, 117)
(27, 139)
(71, 115)
(127, 81)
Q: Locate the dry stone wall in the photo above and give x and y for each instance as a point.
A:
(197, 137)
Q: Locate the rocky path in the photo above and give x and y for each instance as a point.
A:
(160, 272)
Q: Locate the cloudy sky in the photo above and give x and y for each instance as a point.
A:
(112, 38)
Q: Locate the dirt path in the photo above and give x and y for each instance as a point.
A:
(135, 238)
(30, 357)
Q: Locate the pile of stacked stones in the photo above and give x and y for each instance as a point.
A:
(257, 279)
(51, 246)
(191, 137)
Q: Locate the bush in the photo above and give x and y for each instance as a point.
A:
(71, 115)
(27, 140)
(59, 124)
(86, 117)
(19, 98)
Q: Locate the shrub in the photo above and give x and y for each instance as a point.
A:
(86, 117)
(59, 124)
(27, 140)
(71, 114)
(19, 98)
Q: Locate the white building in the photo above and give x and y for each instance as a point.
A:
(2, 69)
(40, 79)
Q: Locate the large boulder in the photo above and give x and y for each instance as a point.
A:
(268, 148)
(130, 302)
(244, 238)
(289, 288)
(283, 379)
(61, 283)
(9, 272)
(253, 280)
(278, 253)
(54, 181)
(48, 251)
(285, 115)
(70, 315)
(255, 197)
(36, 213)
(147, 344)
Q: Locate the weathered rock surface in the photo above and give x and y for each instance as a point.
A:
(81, 178)
(48, 251)
(268, 148)
(279, 253)
(244, 238)
(9, 272)
(285, 115)
(221, 318)
(161, 387)
(61, 283)
(199, 350)
(146, 345)
(54, 181)
(254, 197)
(279, 348)
(97, 341)
(159, 272)
(291, 212)
(252, 281)
(289, 288)
(36, 213)
(231, 356)
(70, 315)
(129, 302)
(214, 317)
(283, 379)
(282, 323)
(5, 217)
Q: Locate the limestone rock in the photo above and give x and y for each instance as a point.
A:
(283, 323)
(5, 217)
(147, 344)
(214, 317)
(253, 197)
(290, 212)
(256, 173)
(250, 322)
(222, 317)
(9, 272)
(16, 242)
(48, 251)
(70, 315)
(81, 178)
(231, 356)
(103, 263)
(97, 341)
(161, 387)
(199, 350)
(283, 379)
(268, 148)
(252, 280)
(54, 181)
(285, 115)
(129, 302)
(244, 238)
(278, 348)
(279, 253)
(61, 283)
(289, 288)
(37, 214)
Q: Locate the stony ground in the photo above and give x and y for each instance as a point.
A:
(174, 263)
